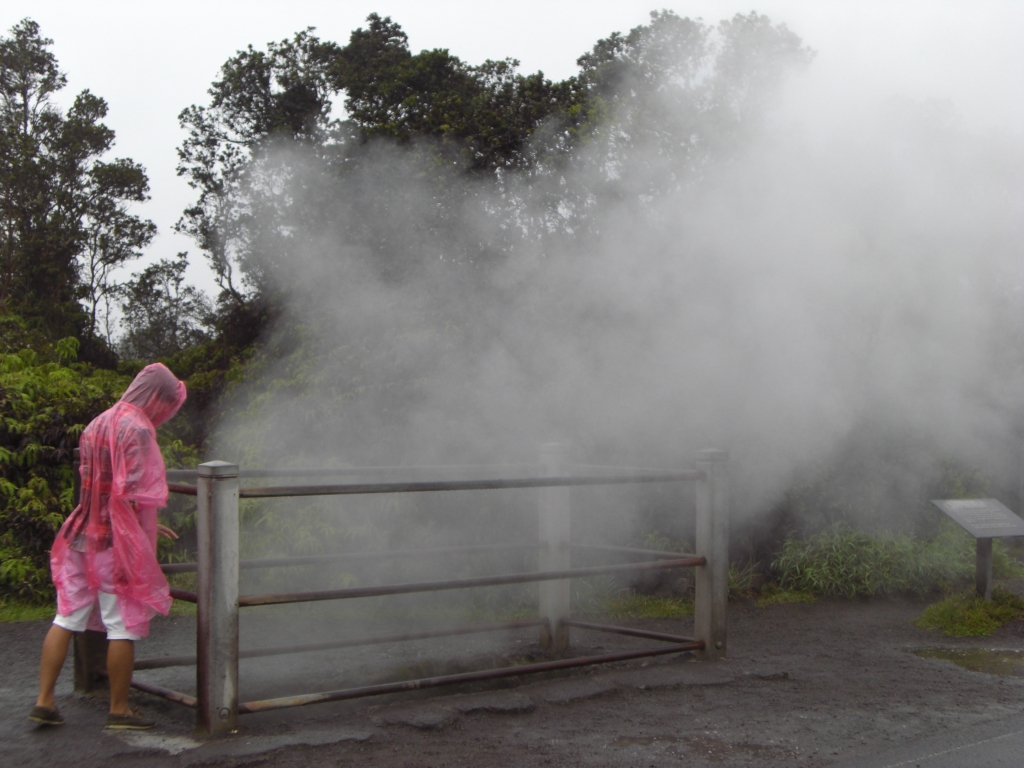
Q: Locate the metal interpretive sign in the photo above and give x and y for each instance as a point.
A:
(982, 518)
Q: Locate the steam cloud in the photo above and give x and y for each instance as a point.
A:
(826, 277)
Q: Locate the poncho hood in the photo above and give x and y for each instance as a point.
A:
(157, 392)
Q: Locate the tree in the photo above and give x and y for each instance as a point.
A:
(676, 93)
(161, 315)
(64, 218)
(261, 97)
(485, 114)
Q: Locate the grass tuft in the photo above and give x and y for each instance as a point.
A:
(971, 616)
(743, 580)
(15, 611)
(634, 606)
(182, 608)
(781, 596)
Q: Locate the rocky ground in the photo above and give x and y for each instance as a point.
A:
(829, 683)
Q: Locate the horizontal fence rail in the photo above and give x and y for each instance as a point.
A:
(190, 475)
(298, 560)
(628, 631)
(657, 553)
(166, 693)
(158, 690)
(481, 581)
(250, 707)
(426, 486)
(384, 554)
(355, 642)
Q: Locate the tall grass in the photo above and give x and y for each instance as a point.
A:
(847, 562)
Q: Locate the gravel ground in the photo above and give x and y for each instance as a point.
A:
(834, 682)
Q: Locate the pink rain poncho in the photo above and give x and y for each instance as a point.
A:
(108, 543)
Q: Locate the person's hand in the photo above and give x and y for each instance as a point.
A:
(167, 533)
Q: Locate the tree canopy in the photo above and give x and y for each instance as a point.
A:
(65, 222)
(644, 112)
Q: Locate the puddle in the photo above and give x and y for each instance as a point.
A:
(991, 661)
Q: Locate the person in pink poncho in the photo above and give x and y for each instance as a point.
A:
(103, 561)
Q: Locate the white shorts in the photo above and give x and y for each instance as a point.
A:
(109, 613)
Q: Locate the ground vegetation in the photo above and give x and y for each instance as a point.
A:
(968, 615)
(47, 398)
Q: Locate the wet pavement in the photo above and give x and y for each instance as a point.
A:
(849, 684)
(998, 744)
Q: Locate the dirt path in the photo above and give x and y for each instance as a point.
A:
(835, 682)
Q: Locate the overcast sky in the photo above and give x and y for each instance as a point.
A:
(151, 60)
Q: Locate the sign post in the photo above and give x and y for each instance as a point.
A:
(984, 519)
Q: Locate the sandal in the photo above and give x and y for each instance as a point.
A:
(45, 716)
(133, 721)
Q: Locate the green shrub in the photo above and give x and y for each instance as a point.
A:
(965, 615)
(46, 400)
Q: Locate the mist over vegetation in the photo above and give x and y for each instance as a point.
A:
(448, 284)
(426, 261)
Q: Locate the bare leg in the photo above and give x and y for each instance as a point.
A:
(120, 661)
(55, 650)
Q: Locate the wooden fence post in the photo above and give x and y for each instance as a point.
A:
(554, 550)
(1020, 481)
(712, 580)
(217, 595)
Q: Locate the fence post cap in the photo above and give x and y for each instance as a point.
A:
(712, 454)
(218, 469)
